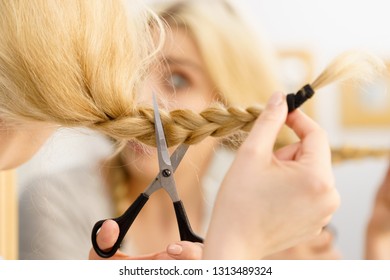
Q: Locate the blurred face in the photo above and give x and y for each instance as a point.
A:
(181, 82)
(319, 248)
(18, 143)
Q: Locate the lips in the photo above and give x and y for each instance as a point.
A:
(139, 148)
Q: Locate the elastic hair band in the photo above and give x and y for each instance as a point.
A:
(294, 101)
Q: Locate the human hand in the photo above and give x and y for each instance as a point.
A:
(321, 247)
(182, 250)
(270, 201)
(378, 229)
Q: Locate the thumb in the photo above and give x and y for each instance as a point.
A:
(185, 250)
(266, 128)
(107, 235)
(106, 238)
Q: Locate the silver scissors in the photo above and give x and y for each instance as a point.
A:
(165, 180)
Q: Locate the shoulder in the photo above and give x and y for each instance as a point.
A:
(58, 211)
(69, 192)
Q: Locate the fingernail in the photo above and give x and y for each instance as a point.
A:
(276, 99)
(174, 249)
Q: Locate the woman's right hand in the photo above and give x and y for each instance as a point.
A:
(270, 201)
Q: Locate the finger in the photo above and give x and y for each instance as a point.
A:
(301, 124)
(122, 256)
(313, 137)
(288, 152)
(182, 250)
(106, 238)
(185, 250)
(107, 235)
(267, 126)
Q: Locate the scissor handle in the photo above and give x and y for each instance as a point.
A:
(185, 229)
(124, 222)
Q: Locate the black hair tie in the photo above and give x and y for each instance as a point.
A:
(295, 100)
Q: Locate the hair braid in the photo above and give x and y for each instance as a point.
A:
(180, 126)
(218, 120)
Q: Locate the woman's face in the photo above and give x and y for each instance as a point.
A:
(19, 142)
(182, 82)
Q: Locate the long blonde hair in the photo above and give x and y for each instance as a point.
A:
(81, 63)
(74, 62)
(219, 120)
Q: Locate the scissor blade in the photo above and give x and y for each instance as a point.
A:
(178, 155)
(162, 148)
(176, 158)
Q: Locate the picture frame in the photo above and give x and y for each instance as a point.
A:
(366, 105)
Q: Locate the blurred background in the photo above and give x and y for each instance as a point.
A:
(308, 35)
(322, 30)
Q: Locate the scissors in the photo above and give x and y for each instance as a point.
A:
(165, 180)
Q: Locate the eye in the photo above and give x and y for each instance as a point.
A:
(179, 81)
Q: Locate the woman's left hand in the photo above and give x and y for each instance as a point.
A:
(181, 250)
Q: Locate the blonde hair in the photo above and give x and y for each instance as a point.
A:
(183, 125)
(81, 63)
(74, 62)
